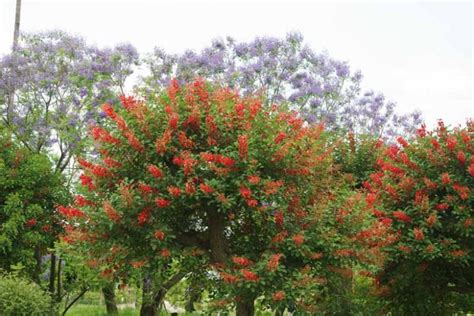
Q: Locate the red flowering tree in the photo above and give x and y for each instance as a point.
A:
(423, 189)
(202, 176)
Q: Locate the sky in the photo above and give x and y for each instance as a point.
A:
(418, 54)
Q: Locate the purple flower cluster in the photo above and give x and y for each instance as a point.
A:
(59, 81)
(285, 71)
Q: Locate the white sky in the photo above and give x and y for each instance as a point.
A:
(418, 54)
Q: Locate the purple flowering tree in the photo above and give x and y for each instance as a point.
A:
(59, 82)
(285, 70)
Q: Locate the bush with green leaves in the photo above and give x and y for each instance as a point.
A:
(29, 191)
(21, 297)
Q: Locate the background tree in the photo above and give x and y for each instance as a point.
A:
(59, 81)
(423, 188)
(29, 192)
(285, 70)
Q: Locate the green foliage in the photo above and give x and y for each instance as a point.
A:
(29, 191)
(21, 297)
(422, 190)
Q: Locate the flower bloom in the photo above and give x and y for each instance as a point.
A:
(190, 187)
(278, 296)
(274, 261)
(242, 261)
(87, 181)
(112, 214)
(461, 156)
(226, 161)
(143, 216)
(206, 188)
(280, 237)
(442, 206)
(451, 143)
(228, 278)
(162, 203)
(386, 221)
(445, 178)
(133, 141)
(112, 163)
(155, 171)
(298, 239)
(32, 222)
(431, 220)
(174, 191)
(401, 216)
(279, 218)
(418, 233)
(81, 201)
(145, 188)
(253, 179)
(70, 212)
(249, 275)
(165, 253)
(402, 141)
(243, 146)
(467, 223)
(160, 235)
(245, 192)
(280, 137)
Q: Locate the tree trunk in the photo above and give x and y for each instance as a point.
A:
(16, 35)
(58, 297)
(148, 307)
(52, 274)
(16, 32)
(280, 311)
(109, 298)
(245, 307)
(37, 271)
(216, 227)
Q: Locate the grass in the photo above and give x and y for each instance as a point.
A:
(95, 310)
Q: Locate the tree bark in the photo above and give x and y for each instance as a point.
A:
(217, 243)
(16, 32)
(16, 35)
(37, 271)
(245, 307)
(148, 307)
(52, 274)
(58, 296)
(109, 298)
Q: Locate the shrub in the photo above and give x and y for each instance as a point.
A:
(21, 297)
(423, 191)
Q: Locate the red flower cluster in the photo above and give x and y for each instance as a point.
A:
(174, 191)
(70, 212)
(249, 275)
(160, 235)
(206, 189)
(401, 216)
(155, 171)
(274, 261)
(162, 203)
(241, 261)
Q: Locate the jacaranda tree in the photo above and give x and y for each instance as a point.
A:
(285, 70)
(423, 189)
(58, 83)
(201, 177)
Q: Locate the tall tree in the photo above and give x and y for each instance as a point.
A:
(16, 32)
